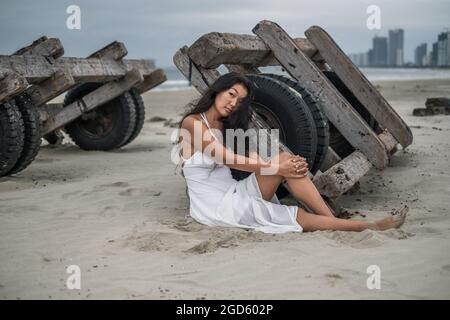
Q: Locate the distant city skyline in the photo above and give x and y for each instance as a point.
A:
(389, 52)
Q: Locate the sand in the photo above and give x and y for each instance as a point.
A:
(121, 217)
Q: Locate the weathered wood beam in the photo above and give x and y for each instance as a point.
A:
(213, 49)
(363, 90)
(49, 48)
(115, 50)
(50, 88)
(200, 77)
(36, 68)
(240, 68)
(336, 108)
(11, 84)
(331, 158)
(152, 80)
(90, 101)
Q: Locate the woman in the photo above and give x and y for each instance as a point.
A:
(216, 199)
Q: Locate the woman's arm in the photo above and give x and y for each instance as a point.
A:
(199, 137)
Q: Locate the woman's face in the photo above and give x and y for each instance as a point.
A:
(227, 101)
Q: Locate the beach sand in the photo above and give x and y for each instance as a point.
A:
(121, 216)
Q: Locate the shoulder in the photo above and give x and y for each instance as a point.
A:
(188, 122)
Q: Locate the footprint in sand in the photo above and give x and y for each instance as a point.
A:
(118, 184)
(72, 194)
(110, 211)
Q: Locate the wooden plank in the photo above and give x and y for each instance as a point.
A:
(49, 48)
(213, 49)
(89, 102)
(49, 110)
(37, 68)
(331, 158)
(389, 141)
(363, 90)
(50, 88)
(343, 175)
(152, 80)
(240, 68)
(11, 84)
(333, 104)
(201, 78)
(115, 50)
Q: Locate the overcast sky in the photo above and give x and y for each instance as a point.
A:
(157, 28)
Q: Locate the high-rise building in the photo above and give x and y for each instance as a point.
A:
(443, 49)
(420, 55)
(434, 55)
(396, 51)
(380, 51)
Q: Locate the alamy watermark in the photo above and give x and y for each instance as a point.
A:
(374, 280)
(73, 21)
(374, 19)
(264, 142)
(74, 280)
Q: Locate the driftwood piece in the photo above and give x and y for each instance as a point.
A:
(336, 108)
(214, 49)
(437, 102)
(36, 68)
(431, 111)
(363, 90)
(343, 175)
(95, 98)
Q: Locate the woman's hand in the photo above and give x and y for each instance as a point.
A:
(290, 166)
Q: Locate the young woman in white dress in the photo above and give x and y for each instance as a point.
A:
(216, 199)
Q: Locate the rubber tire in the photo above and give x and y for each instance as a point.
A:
(32, 132)
(11, 136)
(294, 115)
(124, 122)
(320, 121)
(337, 142)
(140, 114)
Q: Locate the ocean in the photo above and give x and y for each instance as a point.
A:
(176, 81)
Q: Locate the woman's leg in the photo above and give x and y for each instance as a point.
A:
(304, 190)
(301, 188)
(312, 222)
(268, 185)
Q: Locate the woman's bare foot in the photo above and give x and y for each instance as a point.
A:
(397, 219)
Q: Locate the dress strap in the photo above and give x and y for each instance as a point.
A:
(207, 124)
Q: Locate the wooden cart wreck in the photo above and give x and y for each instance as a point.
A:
(102, 111)
(350, 126)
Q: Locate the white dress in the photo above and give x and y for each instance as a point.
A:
(216, 199)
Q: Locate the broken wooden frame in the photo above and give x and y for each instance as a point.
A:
(40, 70)
(305, 59)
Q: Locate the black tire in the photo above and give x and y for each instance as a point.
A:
(140, 114)
(11, 136)
(337, 142)
(284, 109)
(321, 122)
(107, 127)
(32, 132)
